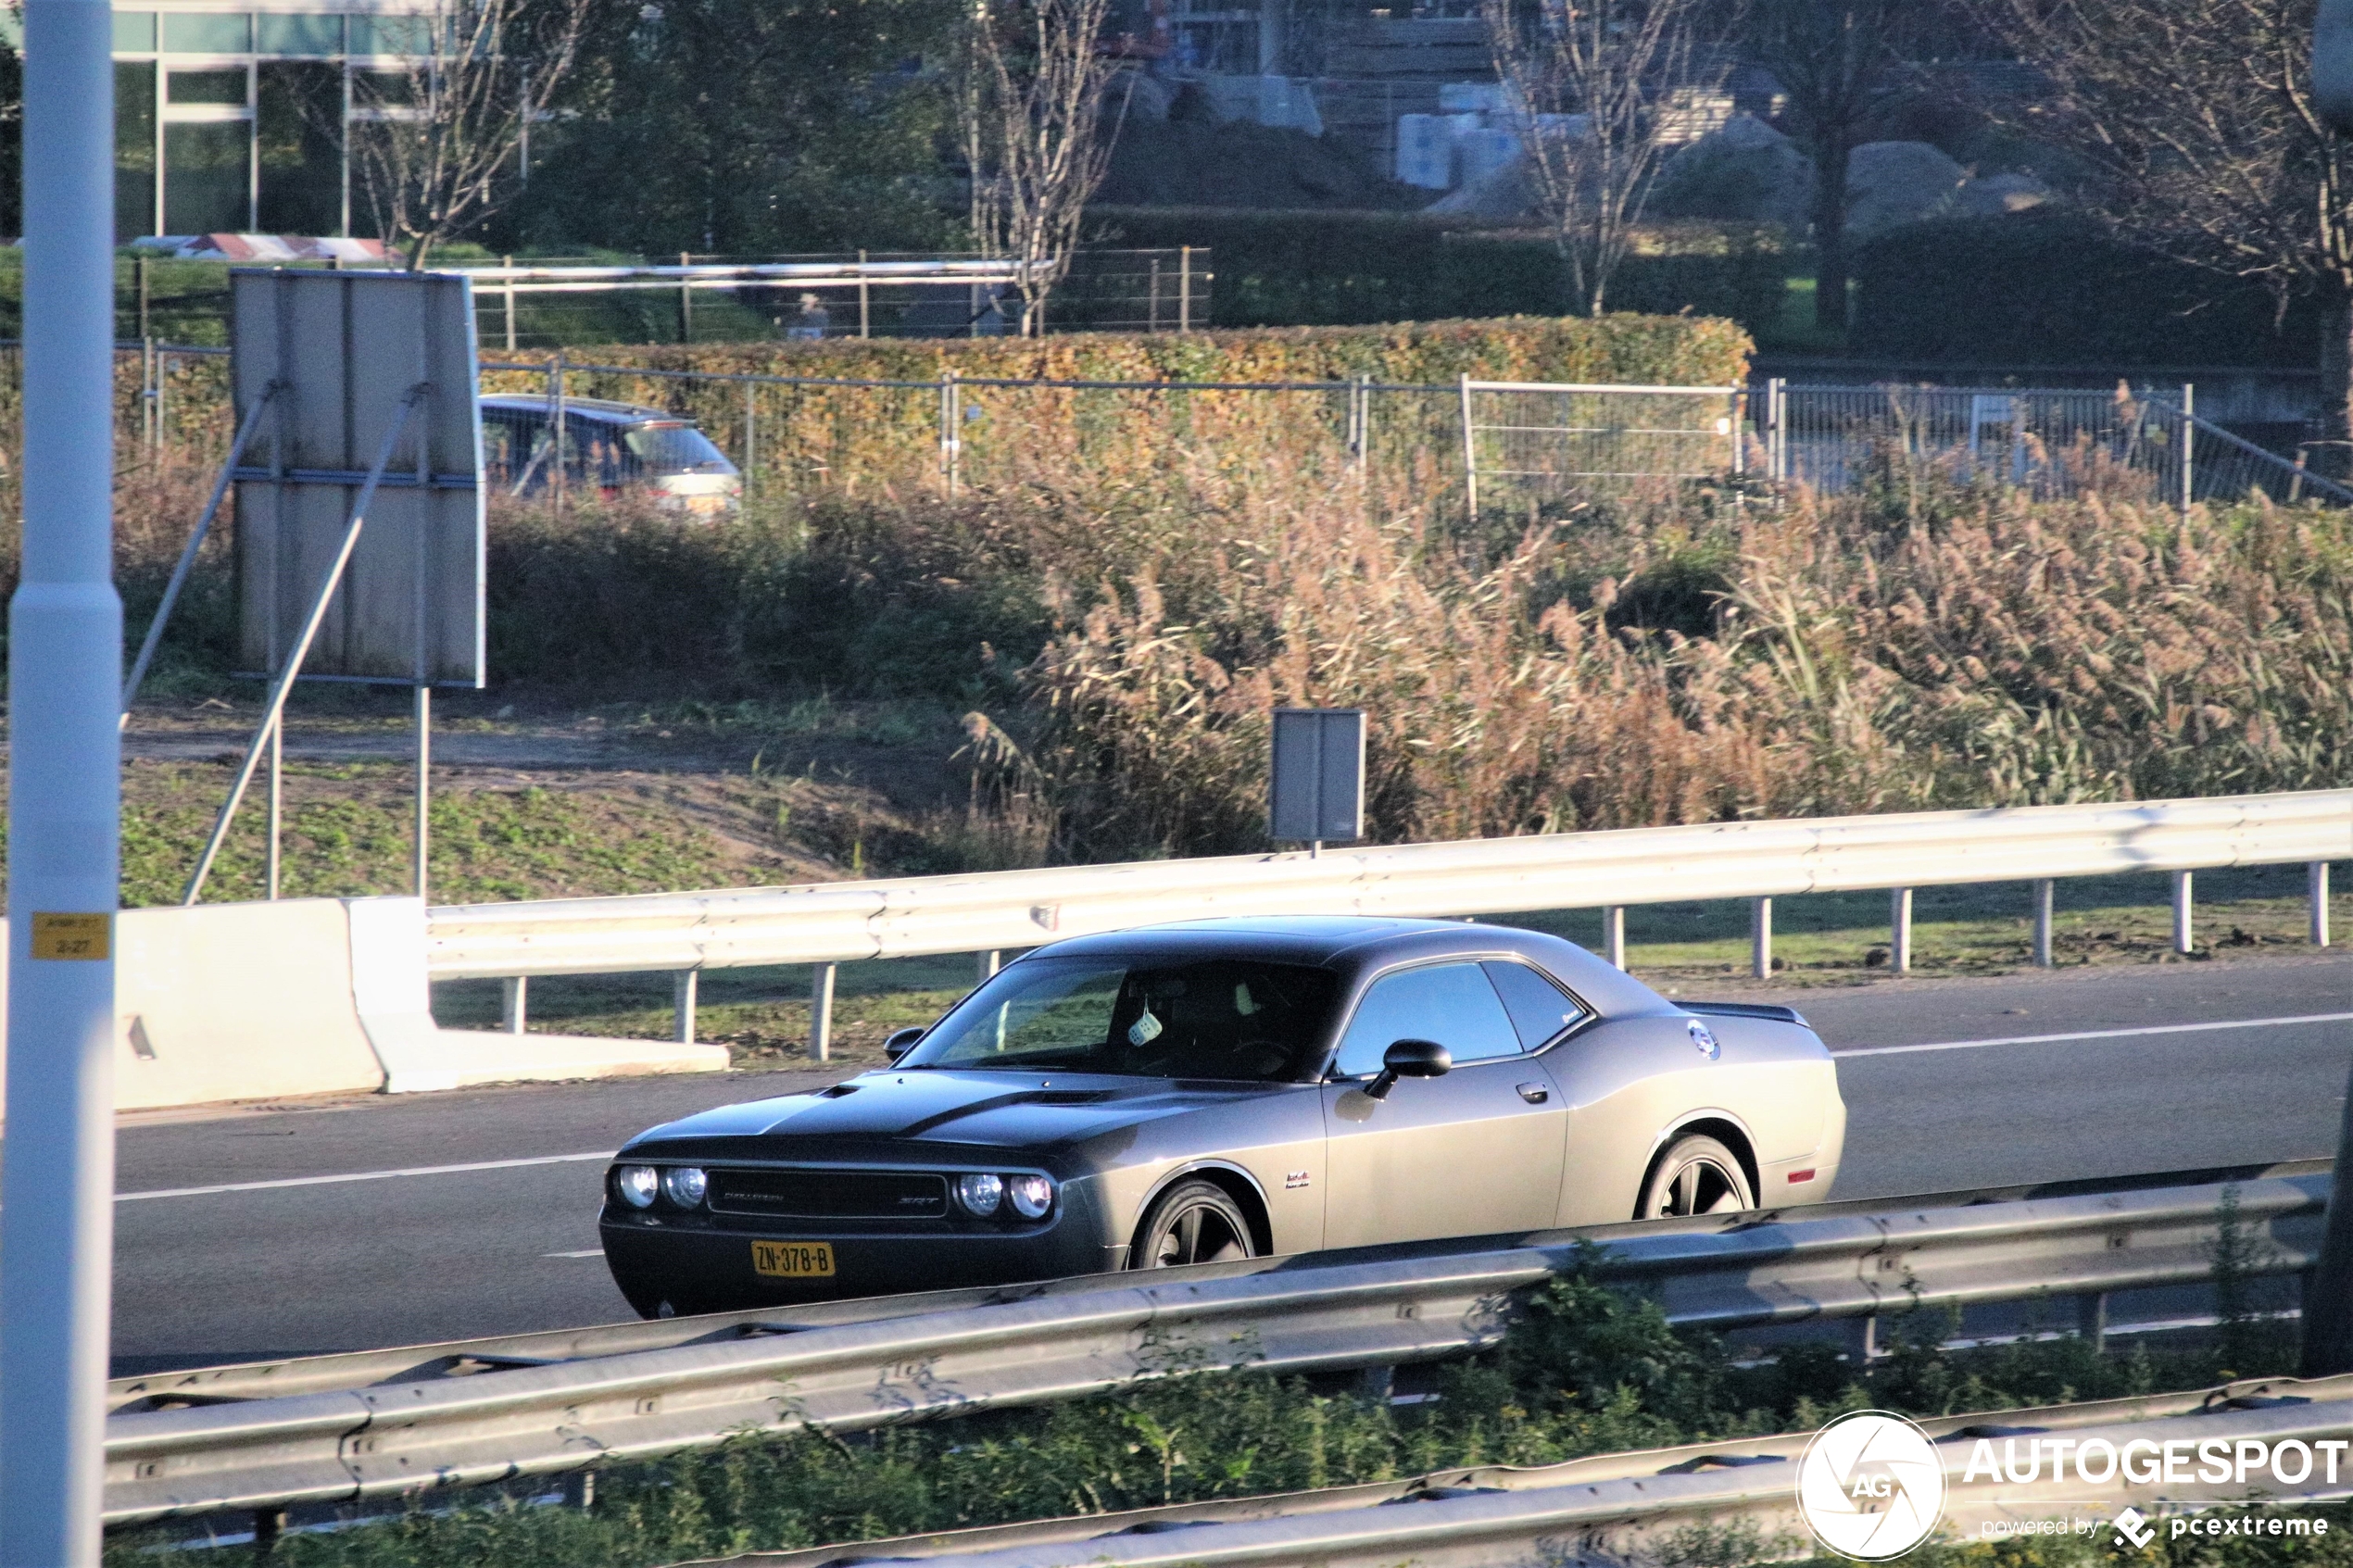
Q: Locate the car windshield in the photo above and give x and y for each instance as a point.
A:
(1142, 1018)
(668, 447)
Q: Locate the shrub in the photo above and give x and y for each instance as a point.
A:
(2053, 288)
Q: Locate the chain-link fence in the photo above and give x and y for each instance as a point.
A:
(1539, 443)
(2051, 442)
(801, 435)
(1501, 446)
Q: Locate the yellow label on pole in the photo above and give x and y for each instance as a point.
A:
(72, 936)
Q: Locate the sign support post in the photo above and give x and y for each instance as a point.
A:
(65, 800)
(273, 713)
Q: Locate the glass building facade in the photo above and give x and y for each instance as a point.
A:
(231, 119)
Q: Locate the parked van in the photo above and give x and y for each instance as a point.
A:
(609, 448)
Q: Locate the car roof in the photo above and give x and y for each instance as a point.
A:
(588, 408)
(1360, 945)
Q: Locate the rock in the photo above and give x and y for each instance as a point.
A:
(1743, 172)
(1892, 182)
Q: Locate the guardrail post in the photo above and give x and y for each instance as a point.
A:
(1184, 288)
(2319, 874)
(1613, 935)
(1899, 920)
(865, 303)
(508, 262)
(682, 992)
(2185, 940)
(685, 300)
(821, 1014)
(2090, 1320)
(514, 998)
(268, 1523)
(991, 961)
(1760, 937)
(2043, 890)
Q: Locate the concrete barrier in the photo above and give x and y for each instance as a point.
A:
(224, 1002)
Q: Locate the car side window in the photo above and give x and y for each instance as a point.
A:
(1539, 1009)
(1451, 1003)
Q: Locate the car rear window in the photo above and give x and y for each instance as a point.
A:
(1142, 1018)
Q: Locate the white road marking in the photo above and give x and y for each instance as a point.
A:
(2100, 1034)
(361, 1176)
(591, 1252)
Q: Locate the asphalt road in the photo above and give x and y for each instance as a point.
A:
(246, 1237)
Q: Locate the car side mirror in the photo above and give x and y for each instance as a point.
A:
(1410, 1058)
(899, 1042)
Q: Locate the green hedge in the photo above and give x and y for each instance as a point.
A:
(1300, 269)
(2047, 288)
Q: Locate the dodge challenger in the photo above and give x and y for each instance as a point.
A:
(1232, 1088)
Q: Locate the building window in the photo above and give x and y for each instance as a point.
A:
(285, 35)
(134, 32)
(297, 107)
(135, 147)
(219, 86)
(208, 177)
(406, 36)
(207, 32)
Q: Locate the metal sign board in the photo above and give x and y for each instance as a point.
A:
(340, 358)
(1318, 788)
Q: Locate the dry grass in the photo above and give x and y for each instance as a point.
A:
(1697, 661)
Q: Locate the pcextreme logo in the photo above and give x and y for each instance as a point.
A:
(1870, 1485)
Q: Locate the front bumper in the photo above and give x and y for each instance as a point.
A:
(709, 1268)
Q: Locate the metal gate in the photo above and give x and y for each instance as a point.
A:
(1537, 441)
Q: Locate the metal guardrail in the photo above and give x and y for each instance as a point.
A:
(1615, 1504)
(410, 1426)
(836, 921)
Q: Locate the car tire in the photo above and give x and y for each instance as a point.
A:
(1696, 1175)
(1194, 1221)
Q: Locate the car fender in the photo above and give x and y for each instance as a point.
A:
(1192, 1168)
(1687, 1119)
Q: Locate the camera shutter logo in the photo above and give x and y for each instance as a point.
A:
(1871, 1486)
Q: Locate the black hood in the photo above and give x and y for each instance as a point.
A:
(989, 1109)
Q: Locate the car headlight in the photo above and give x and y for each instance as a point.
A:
(636, 1184)
(685, 1185)
(1032, 1196)
(980, 1194)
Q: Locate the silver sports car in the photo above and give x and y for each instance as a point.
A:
(1232, 1088)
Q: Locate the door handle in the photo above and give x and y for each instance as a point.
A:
(1534, 1094)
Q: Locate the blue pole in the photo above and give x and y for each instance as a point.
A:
(65, 684)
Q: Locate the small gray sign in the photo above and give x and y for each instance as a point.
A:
(338, 354)
(1318, 791)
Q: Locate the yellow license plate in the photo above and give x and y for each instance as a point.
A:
(793, 1259)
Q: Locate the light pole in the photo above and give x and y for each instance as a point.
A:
(65, 677)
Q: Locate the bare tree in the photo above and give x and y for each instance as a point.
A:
(1039, 126)
(1836, 61)
(2198, 122)
(1603, 88)
(437, 141)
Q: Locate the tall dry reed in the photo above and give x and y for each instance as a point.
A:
(1825, 655)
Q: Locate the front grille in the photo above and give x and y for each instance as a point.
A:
(830, 1195)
